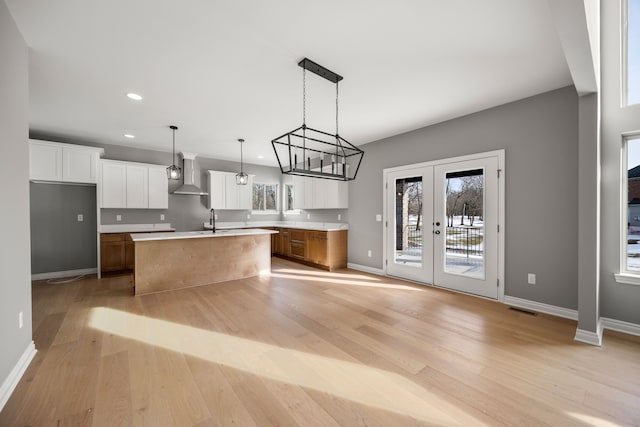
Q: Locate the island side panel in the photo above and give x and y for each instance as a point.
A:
(162, 265)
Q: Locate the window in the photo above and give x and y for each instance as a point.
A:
(265, 197)
(631, 241)
(288, 197)
(632, 53)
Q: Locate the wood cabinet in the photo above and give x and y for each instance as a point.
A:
(133, 185)
(224, 193)
(324, 249)
(112, 252)
(317, 247)
(54, 161)
(117, 252)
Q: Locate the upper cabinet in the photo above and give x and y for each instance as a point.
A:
(224, 193)
(54, 161)
(316, 193)
(133, 185)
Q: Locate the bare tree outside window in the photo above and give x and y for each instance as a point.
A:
(265, 197)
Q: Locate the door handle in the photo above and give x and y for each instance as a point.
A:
(436, 232)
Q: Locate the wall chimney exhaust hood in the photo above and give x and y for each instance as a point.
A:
(189, 174)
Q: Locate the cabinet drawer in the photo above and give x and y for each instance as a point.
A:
(112, 237)
(297, 250)
(297, 235)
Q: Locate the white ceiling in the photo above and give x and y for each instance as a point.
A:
(222, 70)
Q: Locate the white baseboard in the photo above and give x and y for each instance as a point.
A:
(553, 310)
(10, 383)
(60, 274)
(620, 326)
(589, 337)
(372, 270)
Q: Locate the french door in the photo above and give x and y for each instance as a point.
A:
(442, 224)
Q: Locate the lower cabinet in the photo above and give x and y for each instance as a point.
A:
(324, 249)
(117, 252)
(112, 252)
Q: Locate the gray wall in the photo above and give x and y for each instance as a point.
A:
(617, 300)
(15, 268)
(539, 135)
(58, 241)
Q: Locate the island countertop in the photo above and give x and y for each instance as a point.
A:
(200, 234)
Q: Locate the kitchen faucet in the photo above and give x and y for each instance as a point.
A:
(212, 220)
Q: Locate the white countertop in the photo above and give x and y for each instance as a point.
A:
(318, 226)
(199, 234)
(133, 228)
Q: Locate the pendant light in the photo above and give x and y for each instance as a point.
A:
(241, 177)
(173, 171)
(309, 152)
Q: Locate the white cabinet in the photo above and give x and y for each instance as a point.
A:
(54, 161)
(317, 193)
(113, 184)
(137, 186)
(224, 193)
(158, 187)
(133, 185)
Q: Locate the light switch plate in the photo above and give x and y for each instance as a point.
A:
(378, 217)
(80, 218)
(118, 217)
(161, 217)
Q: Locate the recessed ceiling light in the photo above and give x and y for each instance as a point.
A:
(134, 96)
(260, 156)
(128, 135)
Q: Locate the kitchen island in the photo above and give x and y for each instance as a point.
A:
(170, 261)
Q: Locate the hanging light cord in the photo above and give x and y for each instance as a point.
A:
(304, 96)
(241, 161)
(337, 109)
(174, 146)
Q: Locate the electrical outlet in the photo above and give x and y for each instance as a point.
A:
(339, 217)
(118, 217)
(378, 217)
(248, 216)
(215, 216)
(80, 218)
(369, 253)
(161, 217)
(20, 320)
(531, 278)
(308, 216)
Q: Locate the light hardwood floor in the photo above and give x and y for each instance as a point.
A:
(312, 348)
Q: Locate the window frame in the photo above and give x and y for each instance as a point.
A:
(624, 41)
(265, 211)
(630, 277)
(286, 211)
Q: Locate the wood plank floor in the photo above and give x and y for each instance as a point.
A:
(312, 348)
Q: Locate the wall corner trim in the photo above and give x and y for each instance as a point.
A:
(620, 326)
(10, 383)
(553, 310)
(590, 337)
(366, 269)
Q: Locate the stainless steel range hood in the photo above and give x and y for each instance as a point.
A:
(189, 174)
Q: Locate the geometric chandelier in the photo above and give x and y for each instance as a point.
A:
(309, 152)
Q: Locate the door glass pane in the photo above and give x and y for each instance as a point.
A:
(408, 221)
(464, 235)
